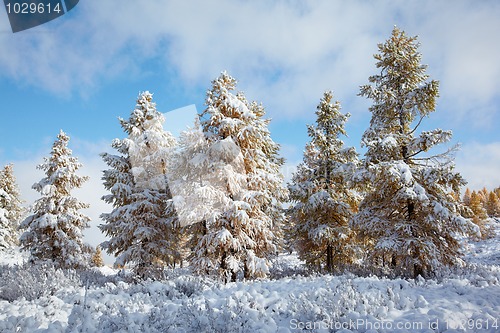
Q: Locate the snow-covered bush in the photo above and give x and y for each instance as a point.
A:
(190, 285)
(90, 302)
(33, 281)
(288, 265)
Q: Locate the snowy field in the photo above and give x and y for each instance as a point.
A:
(465, 300)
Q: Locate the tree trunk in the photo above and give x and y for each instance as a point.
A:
(329, 258)
(393, 261)
(223, 261)
(246, 273)
(233, 276)
(417, 270)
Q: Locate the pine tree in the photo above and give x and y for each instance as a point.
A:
(241, 238)
(480, 216)
(483, 195)
(466, 197)
(97, 259)
(11, 209)
(119, 180)
(408, 210)
(323, 193)
(54, 230)
(141, 232)
(263, 167)
(196, 189)
(493, 205)
(476, 205)
(463, 204)
(198, 193)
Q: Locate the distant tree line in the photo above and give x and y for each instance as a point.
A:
(481, 205)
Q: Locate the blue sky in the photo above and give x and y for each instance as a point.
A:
(83, 70)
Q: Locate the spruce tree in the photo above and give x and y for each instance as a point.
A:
(484, 194)
(322, 193)
(11, 209)
(54, 230)
(493, 205)
(480, 216)
(476, 205)
(198, 193)
(119, 180)
(408, 210)
(97, 259)
(196, 189)
(141, 232)
(466, 197)
(240, 239)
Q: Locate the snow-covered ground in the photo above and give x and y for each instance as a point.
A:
(467, 300)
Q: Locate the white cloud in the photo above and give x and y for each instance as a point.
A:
(288, 169)
(284, 52)
(180, 119)
(458, 43)
(479, 164)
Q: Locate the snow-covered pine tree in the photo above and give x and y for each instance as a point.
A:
(198, 194)
(149, 149)
(480, 215)
(408, 210)
(476, 205)
(323, 195)
(7, 232)
(263, 167)
(241, 238)
(11, 209)
(464, 203)
(140, 232)
(97, 259)
(54, 230)
(493, 205)
(466, 197)
(119, 180)
(483, 193)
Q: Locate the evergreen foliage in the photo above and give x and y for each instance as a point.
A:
(199, 193)
(215, 197)
(140, 231)
(466, 197)
(477, 207)
(408, 210)
(54, 231)
(119, 180)
(323, 193)
(493, 205)
(97, 259)
(11, 209)
(240, 239)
